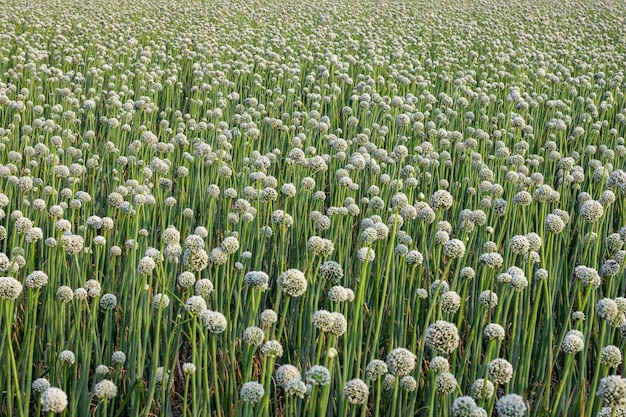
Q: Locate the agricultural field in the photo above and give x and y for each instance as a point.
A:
(312, 208)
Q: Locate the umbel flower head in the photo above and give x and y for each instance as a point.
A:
(439, 364)
(446, 383)
(10, 288)
(611, 356)
(53, 400)
(356, 391)
(442, 336)
(463, 407)
(375, 369)
(105, 389)
(511, 405)
(251, 392)
(40, 385)
(401, 361)
(482, 388)
(214, 321)
(591, 211)
(500, 371)
(318, 375)
(572, 343)
(292, 282)
(253, 336)
(286, 373)
(612, 391)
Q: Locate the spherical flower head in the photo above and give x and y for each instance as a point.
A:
(479, 412)
(257, 280)
(450, 302)
(356, 391)
(102, 370)
(454, 248)
(519, 282)
(439, 286)
(331, 271)
(572, 343)
(118, 357)
(446, 383)
(318, 375)
(607, 309)
(614, 242)
(541, 274)
(467, 272)
(442, 336)
(426, 214)
(441, 199)
(610, 268)
(93, 288)
(272, 348)
(611, 356)
(186, 279)
(195, 305)
(10, 288)
(218, 256)
(72, 244)
(463, 407)
(295, 388)
(375, 369)
(612, 391)
(40, 385)
(105, 389)
(414, 257)
(439, 364)
(494, 331)
(170, 236)
(36, 279)
(519, 244)
(292, 282)
(612, 412)
(194, 243)
(337, 294)
(53, 400)
(482, 389)
(401, 361)
(162, 376)
(500, 371)
(588, 276)
(534, 241)
(591, 211)
(286, 373)
(189, 368)
(204, 287)
(315, 244)
(523, 198)
(108, 301)
(251, 392)
(339, 325)
(366, 254)
(160, 301)
(230, 244)
(408, 383)
(67, 356)
(23, 225)
(253, 336)
(268, 317)
(511, 405)
(214, 321)
(554, 224)
(488, 299)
